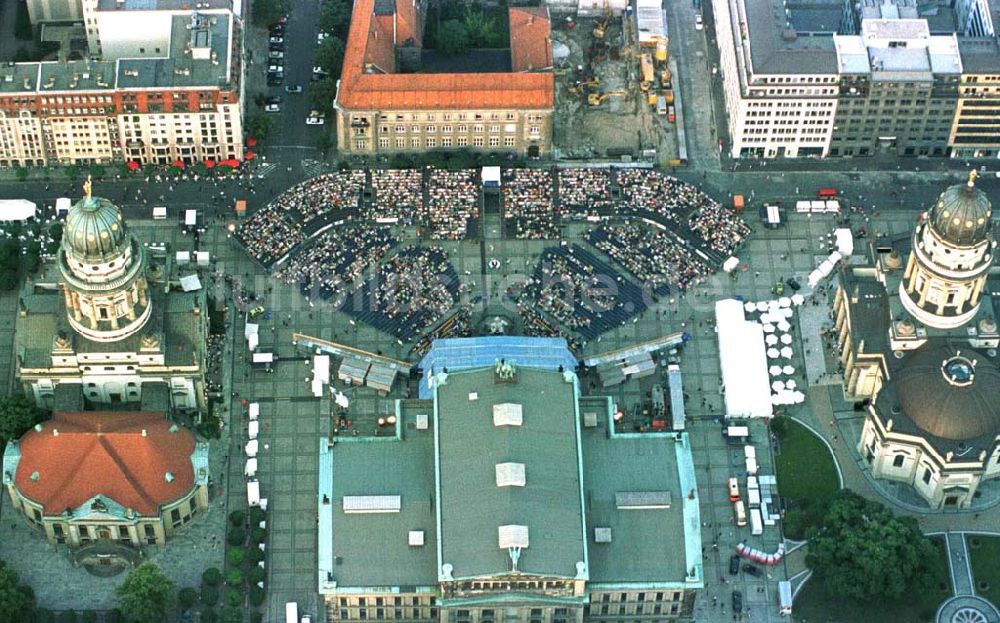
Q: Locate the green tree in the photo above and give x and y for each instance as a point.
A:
(324, 144)
(322, 93)
(257, 596)
(232, 615)
(212, 576)
(330, 56)
(267, 12)
(862, 551)
(236, 536)
(452, 37)
(236, 556)
(260, 126)
(481, 28)
(209, 615)
(187, 597)
(335, 17)
(21, 173)
(234, 597)
(234, 577)
(146, 594)
(97, 171)
(209, 595)
(72, 171)
(256, 574)
(17, 602)
(17, 415)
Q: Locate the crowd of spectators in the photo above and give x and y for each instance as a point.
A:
(583, 192)
(657, 258)
(410, 292)
(275, 229)
(718, 226)
(580, 292)
(399, 195)
(334, 263)
(453, 200)
(527, 204)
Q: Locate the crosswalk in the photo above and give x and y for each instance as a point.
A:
(266, 169)
(315, 167)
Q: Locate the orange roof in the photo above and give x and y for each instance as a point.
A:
(380, 91)
(105, 453)
(530, 38)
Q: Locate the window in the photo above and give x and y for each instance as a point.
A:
(463, 141)
(446, 141)
(508, 141)
(415, 143)
(383, 142)
(494, 141)
(431, 143)
(400, 143)
(897, 461)
(478, 141)
(927, 476)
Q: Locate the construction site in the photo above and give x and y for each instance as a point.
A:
(615, 92)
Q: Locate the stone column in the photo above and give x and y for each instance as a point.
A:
(141, 285)
(77, 312)
(130, 305)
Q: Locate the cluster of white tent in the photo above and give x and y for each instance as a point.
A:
(755, 355)
(844, 240)
(251, 449)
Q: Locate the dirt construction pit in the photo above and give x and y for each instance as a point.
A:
(600, 110)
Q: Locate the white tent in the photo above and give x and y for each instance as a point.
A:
(251, 468)
(762, 306)
(798, 299)
(254, 410)
(772, 353)
(783, 326)
(743, 362)
(253, 429)
(767, 328)
(63, 204)
(784, 302)
(17, 209)
(253, 493)
(778, 386)
(774, 370)
(790, 384)
(190, 283)
(786, 338)
(750, 307)
(731, 264)
(786, 352)
(845, 241)
(491, 176)
(251, 448)
(771, 339)
(788, 370)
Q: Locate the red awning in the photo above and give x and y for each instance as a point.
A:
(249, 156)
(230, 163)
(210, 164)
(251, 141)
(179, 164)
(132, 165)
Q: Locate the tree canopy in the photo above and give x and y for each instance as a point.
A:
(266, 12)
(335, 18)
(17, 415)
(330, 56)
(322, 93)
(452, 37)
(862, 551)
(17, 601)
(146, 594)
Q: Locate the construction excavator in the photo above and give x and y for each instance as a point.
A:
(596, 99)
(584, 85)
(601, 23)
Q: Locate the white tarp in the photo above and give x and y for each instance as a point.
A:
(190, 217)
(251, 448)
(845, 241)
(190, 283)
(63, 204)
(491, 176)
(743, 362)
(262, 358)
(183, 257)
(254, 410)
(253, 429)
(252, 340)
(16, 209)
(321, 368)
(202, 257)
(731, 264)
(253, 493)
(250, 329)
(251, 468)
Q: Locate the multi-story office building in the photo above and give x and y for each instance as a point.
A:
(393, 96)
(173, 94)
(858, 79)
(506, 497)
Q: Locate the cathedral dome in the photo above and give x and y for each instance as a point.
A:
(961, 214)
(94, 228)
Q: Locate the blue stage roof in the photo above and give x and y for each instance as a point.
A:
(465, 353)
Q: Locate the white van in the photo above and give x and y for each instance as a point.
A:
(291, 612)
(784, 597)
(159, 213)
(741, 513)
(756, 522)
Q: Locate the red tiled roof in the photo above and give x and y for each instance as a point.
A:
(105, 453)
(381, 91)
(530, 38)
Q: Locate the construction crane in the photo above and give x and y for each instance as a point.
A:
(596, 99)
(601, 24)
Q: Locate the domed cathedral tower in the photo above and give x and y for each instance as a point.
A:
(952, 254)
(103, 271)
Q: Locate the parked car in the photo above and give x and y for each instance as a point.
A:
(274, 100)
(274, 39)
(256, 311)
(793, 283)
(276, 55)
(698, 22)
(737, 602)
(315, 121)
(734, 564)
(276, 47)
(276, 29)
(272, 108)
(276, 68)
(751, 569)
(293, 88)
(274, 80)
(319, 70)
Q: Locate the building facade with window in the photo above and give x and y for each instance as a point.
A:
(858, 79)
(508, 498)
(175, 100)
(918, 339)
(391, 98)
(113, 329)
(126, 477)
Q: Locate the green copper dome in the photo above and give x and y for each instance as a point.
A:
(961, 214)
(94, 228)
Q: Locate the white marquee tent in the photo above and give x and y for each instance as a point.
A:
(743, 362)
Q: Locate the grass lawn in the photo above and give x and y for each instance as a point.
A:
(807, 476)
(984, 554)
(813, 604)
